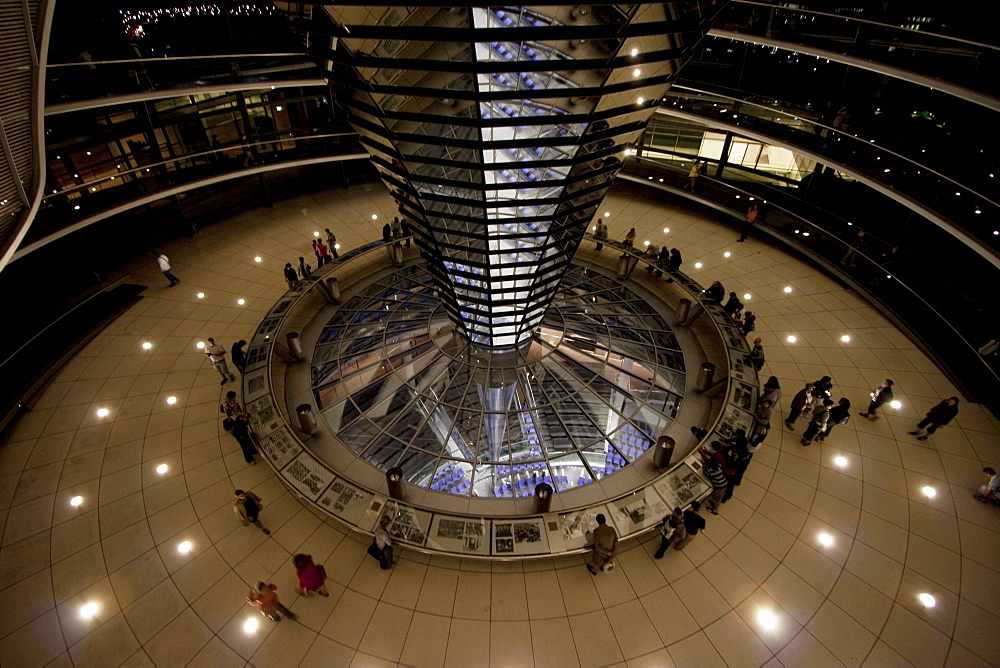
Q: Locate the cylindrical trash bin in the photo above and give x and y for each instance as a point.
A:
(333, 287)
(663, 452)
(706, 372)
(394, 478)
(683, 310)
(294, 345)
(543, 497)
(626, 263)
(307, 420)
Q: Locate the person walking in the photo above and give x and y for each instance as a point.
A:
(879, 395)
(217, 354)
(242, 431)
(247, 507)
(238, 356)
(331, 242)
(749, 323)
(817, 425)
(801, 399)
(163, 262)
(938, 416)
(381, 547)
(850, 258)
(291, 278)
(757, 354)
(265, 598)
(839, 415)
(748, 221)
(600, 234)
(311, 576)
(672, 532)
(605, 540)
(304, 269)
(629, 238)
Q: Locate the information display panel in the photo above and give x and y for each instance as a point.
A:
(459, 534)
(519, 536)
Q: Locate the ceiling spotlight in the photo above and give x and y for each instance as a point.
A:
(250, 625)
(607, 213)
(727, 254)
(171, 400)
(636, 72)
(241, 301)
(162, 468)
(374, 217)
(278, 108)
(147, 345)
(788, 289)
(840, 461)
(76, 501)
(635, 52)
(645, 243)
(747, 296)
(896, 404)
(697, 265)
(845, 338)
(825, 539)
(767, 619)
(792, 338)
(199, 345)
(257, 259)
(102, 412)
(337, 246)
(200, 295)
(315, 234)
(594, 228)
(184, 547)
(929, 491)
(640, 100)
(88, 611)
(927, 600)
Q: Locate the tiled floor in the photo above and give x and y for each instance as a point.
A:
(756, 588)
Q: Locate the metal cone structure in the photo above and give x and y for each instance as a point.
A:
(499, 129)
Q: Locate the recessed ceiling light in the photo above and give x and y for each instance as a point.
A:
(698, 265)
(747, 296)
(825, 539)
(767, 619)
(840, 461)
(184, 547)
(200, 295)
(788, 289)
(635, 52)
(315, 234)
(88, 610)
(103, 412)
(76, 501)
(792, 338)
(896, 404)
(250, 625)
(374, 217)
(636, 72)
(162, 468)
(241, 301)
(645, 243)
(666, 230)
(147, 345)
(199, 345)
(929, 491)
(927, 600)
(607, 213)
(845, 338)
(257, 259)
(171, 400)
(727, 254)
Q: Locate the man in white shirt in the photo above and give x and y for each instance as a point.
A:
(217, 354)
(164, 263)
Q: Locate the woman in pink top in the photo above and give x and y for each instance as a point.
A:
(311, 576)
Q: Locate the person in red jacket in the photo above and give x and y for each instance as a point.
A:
(265, 597)
(799, 403)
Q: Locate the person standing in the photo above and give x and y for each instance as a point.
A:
(238, 356)
(762, 416)
(879, 395)
(802, 399)
(265, 597)
(852, 251)
(757, 354)
(672, 532)
(823, 388)
(751, 218)
(605, 540)
(738, 457)
(711, 468)
(716, 291)
(693, 175)
(304, 269)
(749, 323)
(693, 523)
(405, 231)
(319, 260)
(323, 252)
(311, 576)
(770, 392)
(938, 416)
(217, 354)
(291, 278)
(164, 263)
(381, 547)
(231, 407)
(733, 304)
(386, 233)
(247, 507)
(839, 415)
(397, 227)
(331, 242)
(674, 263)
(600, 234)
(242, 431)
(817, 425)
(629, 238)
